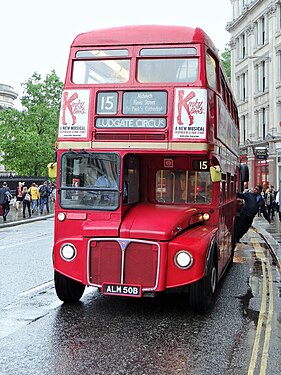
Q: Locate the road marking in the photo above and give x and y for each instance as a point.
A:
(37, 288)
(266, 270)
(24, 242)
(268, 322)
(19, 314)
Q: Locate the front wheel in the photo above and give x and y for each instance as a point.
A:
(68, 290)
(202, 292)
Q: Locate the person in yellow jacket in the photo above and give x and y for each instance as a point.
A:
(33, 190)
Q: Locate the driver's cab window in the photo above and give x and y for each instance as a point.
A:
(89, 181)
(182, 186)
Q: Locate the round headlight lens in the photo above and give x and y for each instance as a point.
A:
(183, 259)
(68, 252)
(61, 216)
(206, 216)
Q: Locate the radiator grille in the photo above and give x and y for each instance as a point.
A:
(137, 263)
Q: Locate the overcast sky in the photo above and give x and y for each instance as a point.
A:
(36, 35)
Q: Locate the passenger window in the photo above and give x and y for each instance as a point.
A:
(167, 70)
(131, 179)
(183, 186)
(211, 71)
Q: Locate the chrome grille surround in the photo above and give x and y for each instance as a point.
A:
(124, 245)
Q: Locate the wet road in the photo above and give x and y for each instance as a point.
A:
(261, 306)
(25, 258)
(112, 335)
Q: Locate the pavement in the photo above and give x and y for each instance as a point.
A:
(15, 217)
(270, 232)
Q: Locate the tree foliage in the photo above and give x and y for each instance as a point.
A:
(226, 61)
(28, 136)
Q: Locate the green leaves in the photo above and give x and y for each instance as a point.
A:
(226, 61)
(28, 136)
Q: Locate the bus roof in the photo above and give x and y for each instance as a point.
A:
(143, 34)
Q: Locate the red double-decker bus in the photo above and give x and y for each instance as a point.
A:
(148, 166)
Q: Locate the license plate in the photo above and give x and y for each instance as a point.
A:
(121, 290)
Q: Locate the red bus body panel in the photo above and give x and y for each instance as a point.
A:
(150, 34)
(170, 228)
(157, 222)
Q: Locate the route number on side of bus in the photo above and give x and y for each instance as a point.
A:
(200, 165)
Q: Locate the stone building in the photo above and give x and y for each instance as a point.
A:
(7, 97)
(255, 44)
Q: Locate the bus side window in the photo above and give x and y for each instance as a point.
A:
(223, 191)
(131, 178)
(228, 186)
(203, 189)
(211, 71)
(183, 186)
(165, 186)
(172, 186)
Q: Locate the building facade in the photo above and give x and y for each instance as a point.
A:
(255, 45)
(7, 97)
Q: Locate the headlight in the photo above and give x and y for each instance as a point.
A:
(183, 259)
(68, 252)
(61, 216)
(206, 216)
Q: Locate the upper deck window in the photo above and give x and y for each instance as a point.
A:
(100, 67)
(211, 71)
(98, 53)
(170, 69)
(167, 70)
(168, 51)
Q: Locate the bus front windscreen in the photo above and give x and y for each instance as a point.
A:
(89, 181)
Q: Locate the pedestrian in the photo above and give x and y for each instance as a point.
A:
(52, 188)
(44, 193)
(5, 198)
(269, 198)
(253, 201)
(19, 198)
(264, 187)
(278, 206)
(33, 190)
(26, 201)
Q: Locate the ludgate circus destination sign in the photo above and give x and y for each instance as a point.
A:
(114, 122)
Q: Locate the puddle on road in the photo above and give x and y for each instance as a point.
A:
(253, 315)
(251, 301)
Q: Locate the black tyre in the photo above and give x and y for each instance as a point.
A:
(202, 292)
(68, 290)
